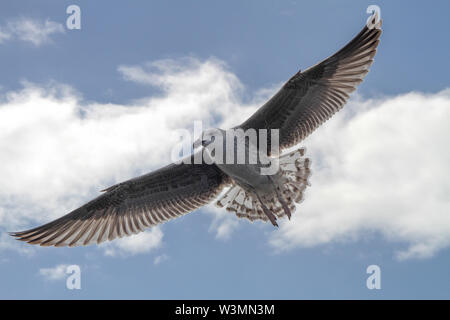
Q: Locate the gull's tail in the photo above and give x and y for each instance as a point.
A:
(295, 171)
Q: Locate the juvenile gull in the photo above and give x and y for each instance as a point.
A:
(304, 102)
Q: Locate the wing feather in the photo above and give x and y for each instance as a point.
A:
(311, 97)
(129, 207)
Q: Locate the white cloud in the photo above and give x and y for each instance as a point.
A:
(58, 152)
(143, 242)
(379, 167)
(224, 222)
(56, 273)
(30, 30)
(4, 35)
(8, 243)
(161, 258)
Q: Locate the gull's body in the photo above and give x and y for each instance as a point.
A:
(257, 189)
(304, 102)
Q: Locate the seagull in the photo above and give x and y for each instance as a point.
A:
(303, 103)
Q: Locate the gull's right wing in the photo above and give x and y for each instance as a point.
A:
(311, 97)
(131, 206)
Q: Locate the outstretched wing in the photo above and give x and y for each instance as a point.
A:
(130, 207)
(311, 97)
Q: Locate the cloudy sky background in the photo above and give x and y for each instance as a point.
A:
(83, 109)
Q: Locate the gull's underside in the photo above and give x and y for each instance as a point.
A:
(304, 102)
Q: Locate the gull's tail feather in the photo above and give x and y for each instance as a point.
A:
(295, 171)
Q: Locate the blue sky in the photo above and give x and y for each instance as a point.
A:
(240, 52)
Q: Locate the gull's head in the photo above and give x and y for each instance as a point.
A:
(208, 136)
